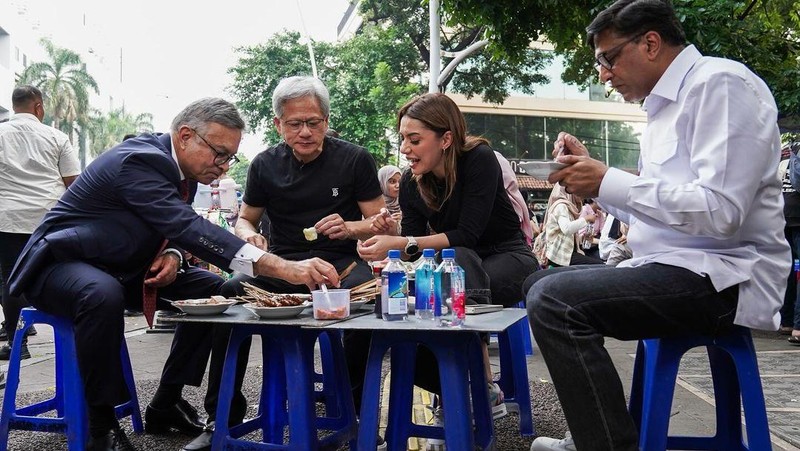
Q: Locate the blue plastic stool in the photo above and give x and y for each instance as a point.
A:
(287, 391)
(68, 401)
(461, 369)
(513, 344)
(734, 370)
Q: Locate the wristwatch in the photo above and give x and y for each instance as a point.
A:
(412, 248)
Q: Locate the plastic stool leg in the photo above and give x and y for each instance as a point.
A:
(661, 370)
(527, 342)
(401, 395)
(130, 408)
(370, 400)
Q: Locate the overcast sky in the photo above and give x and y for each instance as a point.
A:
(174, 52)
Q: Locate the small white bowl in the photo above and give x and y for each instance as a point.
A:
(203, 306)
(289, 311)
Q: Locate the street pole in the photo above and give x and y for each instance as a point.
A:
(435, 47)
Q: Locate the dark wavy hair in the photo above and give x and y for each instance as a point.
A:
(630, 18)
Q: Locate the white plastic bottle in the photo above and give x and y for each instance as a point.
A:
(394, 289)
(449, 308)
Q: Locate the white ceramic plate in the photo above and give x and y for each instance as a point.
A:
(203, 306)
(541, 169)
(276, 312)
(355, 305)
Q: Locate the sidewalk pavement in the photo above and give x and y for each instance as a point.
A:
(692, 410)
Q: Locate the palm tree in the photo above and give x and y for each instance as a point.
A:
(65, 84)
(107, 130)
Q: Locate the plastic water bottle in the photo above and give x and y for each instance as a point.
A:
(394, 289)
(424, 285)
(797, 269)
(449, 291)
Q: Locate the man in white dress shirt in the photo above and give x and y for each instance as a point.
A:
(37, 164)
(705, 215)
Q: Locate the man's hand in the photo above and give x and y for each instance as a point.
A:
(311, 272)
(581, 177)
(165, 269)
(334, 227)
(567, 144)
(384, 223)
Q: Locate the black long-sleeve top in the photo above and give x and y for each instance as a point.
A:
(478, 213)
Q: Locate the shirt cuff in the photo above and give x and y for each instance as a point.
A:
(170, 250)
(615, 187)
(245, 257)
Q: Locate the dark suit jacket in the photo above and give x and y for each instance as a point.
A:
(116, 215)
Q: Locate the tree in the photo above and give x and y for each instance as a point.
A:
(65, 84)
(761, 34)
(238, 171)
(108, 130)
(492, 77)
(369, 78)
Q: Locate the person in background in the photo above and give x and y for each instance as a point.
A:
(562, 222)
(389, 178)
(790, 312)
(454, 186)
(529, 229)
(705, 217)
(589, 236)
(38, 164)
(95, 251)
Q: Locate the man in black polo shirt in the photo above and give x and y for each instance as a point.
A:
(308, 181)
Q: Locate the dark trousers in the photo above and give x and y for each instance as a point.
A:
(95, 301)
(356, 343)
(11, 245)
(571, 310)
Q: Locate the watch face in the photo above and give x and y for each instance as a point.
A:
(412, 249)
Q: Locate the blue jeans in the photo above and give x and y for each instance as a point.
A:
(571, 310)
(790, 312)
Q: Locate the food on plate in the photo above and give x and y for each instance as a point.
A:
(264, 298)
(214, 300)
(310, 233)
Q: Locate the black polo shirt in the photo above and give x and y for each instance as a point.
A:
(296, 195)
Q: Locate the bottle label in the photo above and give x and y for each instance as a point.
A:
(397, 293)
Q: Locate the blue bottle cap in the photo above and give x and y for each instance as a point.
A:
(448, 253)
(394, 253)
(428, 252)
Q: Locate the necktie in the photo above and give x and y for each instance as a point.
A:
(150, 293)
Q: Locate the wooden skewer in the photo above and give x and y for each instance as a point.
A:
(347, 271)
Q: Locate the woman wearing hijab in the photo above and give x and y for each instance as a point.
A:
(389, 178)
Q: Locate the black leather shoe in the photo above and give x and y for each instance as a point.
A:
(115, 440)
(203, 441)
(5, 352)
(181, 416)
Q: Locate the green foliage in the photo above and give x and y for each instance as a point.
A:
(761, 34)
(492, 76)
(239, 170)
(367, 76)
(108, 130)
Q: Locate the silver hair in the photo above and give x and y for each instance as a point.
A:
(204, 111)
(296, 87)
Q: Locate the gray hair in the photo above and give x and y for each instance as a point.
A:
(204, 111)
(296, 87)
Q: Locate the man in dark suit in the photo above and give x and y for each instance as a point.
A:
(95, 248)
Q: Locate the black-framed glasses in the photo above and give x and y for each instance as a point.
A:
(296, 125)
(606, 59)
(220, 158)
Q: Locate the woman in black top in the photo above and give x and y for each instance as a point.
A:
(453, 196)
(454, 188)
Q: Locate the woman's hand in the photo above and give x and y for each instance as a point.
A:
(378, 247)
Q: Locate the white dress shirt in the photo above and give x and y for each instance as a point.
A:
(707, 198)
(34, 160)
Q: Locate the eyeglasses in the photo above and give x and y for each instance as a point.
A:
(296, 125)
(220, 158)
(606, 59)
